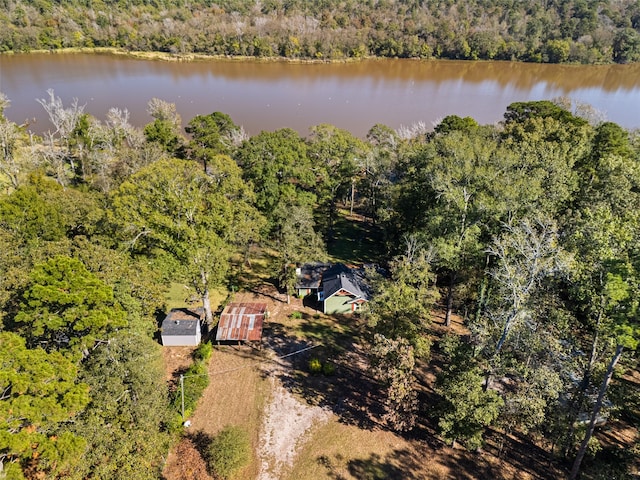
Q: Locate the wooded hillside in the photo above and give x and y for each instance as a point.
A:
(555, 31)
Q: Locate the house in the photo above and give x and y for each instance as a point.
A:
(182, 327)
(339, 288)
(241, 322)
(344, 289)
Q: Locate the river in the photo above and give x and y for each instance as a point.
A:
(271, 95)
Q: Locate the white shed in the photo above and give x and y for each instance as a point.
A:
(182, 328)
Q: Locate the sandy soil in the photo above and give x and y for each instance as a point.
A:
(287, 423)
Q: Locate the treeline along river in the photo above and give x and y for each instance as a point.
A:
(271, 95)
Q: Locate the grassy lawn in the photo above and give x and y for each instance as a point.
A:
(355, 241)
(178, 296)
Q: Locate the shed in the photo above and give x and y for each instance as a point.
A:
(182, 327)
(241, 322)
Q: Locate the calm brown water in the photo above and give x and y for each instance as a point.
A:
(353, 96)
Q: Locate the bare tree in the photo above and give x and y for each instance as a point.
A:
(164, 111)
(525, 254)
(9, 135)
(64, 120)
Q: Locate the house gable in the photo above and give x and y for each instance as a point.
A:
(343, 288)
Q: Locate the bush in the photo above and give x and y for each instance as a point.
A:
(203, 352)
(296, 315)
(328, 369)
(195, 381)
(229, 452)
(315, 366)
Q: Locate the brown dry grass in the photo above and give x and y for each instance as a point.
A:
(235, 396)
(345, 447)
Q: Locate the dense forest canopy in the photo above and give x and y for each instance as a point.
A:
(555, 31)
(529, 229)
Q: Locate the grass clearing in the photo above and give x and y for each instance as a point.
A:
(236, 395)
(355, 240)
(179, 295)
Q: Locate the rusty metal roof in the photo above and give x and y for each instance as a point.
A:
(241, 321)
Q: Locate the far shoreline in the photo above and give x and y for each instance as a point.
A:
(202, 57)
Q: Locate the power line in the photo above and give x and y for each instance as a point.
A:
(222, 372)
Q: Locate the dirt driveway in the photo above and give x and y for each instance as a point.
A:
(246, 389)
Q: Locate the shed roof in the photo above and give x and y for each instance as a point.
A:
(241, 321)
(181, 321)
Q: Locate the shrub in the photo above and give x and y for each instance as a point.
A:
(195, 381)
(296, 315)
(203, 352)
(228, 452)
(328, 369)
(315, 366)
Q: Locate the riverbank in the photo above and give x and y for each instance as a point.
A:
(193, 57)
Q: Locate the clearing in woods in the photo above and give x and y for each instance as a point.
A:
(324, 427)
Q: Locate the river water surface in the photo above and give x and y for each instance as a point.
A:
(271, 95)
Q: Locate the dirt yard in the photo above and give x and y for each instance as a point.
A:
(305, 427)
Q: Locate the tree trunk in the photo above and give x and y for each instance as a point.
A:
(447, 316)
(353, 191)
(580, 396)
(594, 414)
(206, 303)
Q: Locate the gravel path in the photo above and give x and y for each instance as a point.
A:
(286, 424)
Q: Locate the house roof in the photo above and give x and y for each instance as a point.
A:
(309, 275)
(181, 321)
(340, 277)
(241, 321)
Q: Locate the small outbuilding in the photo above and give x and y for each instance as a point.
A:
(241, 322)
(182, 327)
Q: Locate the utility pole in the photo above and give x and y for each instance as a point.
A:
(182, 394)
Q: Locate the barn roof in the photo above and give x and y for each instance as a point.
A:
(181, 321)
(241, 322)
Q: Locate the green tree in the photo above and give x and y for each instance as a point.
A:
(165, 128)
(393, 363)
(67, 307)
(277, 165)
(211, 134)
(337, 153)
(467, 408)
(624, 332)
(124, 424)
(296, 241)
(458, 188)
(229, 452)
(401, 305)
(39, 393)
(197, 218)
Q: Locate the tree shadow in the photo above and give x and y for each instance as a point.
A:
(344, 388)
(399, 464)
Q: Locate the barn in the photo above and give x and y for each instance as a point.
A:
(241, 322)
(182, 327)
